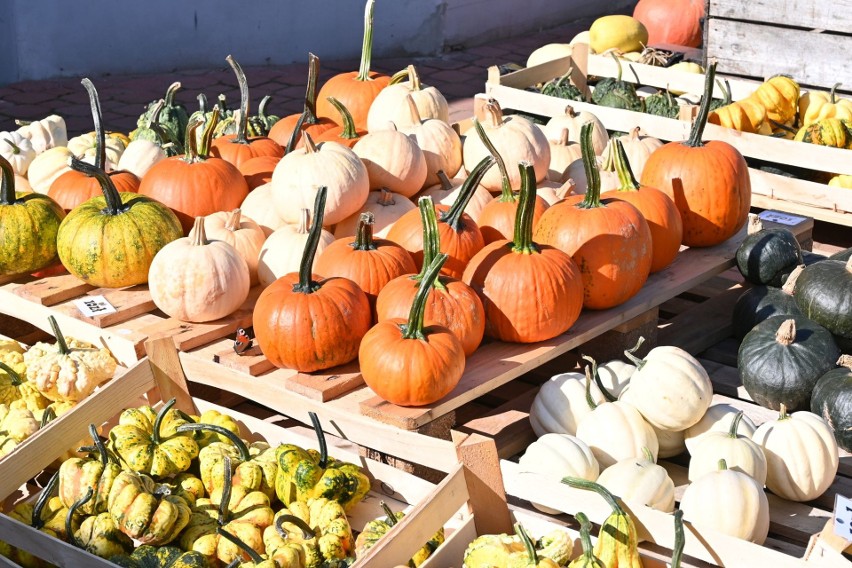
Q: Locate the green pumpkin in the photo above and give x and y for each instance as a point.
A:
(375, 530)
(615, 93)
(261, 123)
(662, 103)
(761, 302)
(832, 399)
(843, 255)
(562, 88)
(766, 254)
(719, 103)
(172, 116)
(832, 132)
(160, 134)
(110, 241)
(781, 359)
(147, 556)
(29, 223)
(824, 294)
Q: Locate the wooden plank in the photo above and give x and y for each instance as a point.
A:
(53, 290)
(168, 374)
(128, 303)
(508, 425)
(704, 325)
(329, 384)
(252, 362)
(815, 210)
(801, 13)
(486, 495)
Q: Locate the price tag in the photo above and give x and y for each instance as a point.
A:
(91, 306)
(843, 517)
(781, 218)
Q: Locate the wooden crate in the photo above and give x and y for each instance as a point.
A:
(769, 190)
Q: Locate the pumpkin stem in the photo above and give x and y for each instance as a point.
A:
(48, 416)
(7, 183)
(790, 284)
(367, 45)
(755, 223)
(586, 540)
(494, 113)
(198, 148)
(307, 531)
(453, 217)
(446, 184)
(233, 223)
(15, 148)
(242, 119)
(392, 520)
(97, 117)
(323, 447)
(234, 539)
(242, 448)
(597, 377)
(306, 285)
(198, 236)
(593, 176)
(69, 517)
(364, 236)
(735, 425)
(722, 464)
(833, 93)
(310, 145)
(580, 483)
(413, 329)
(413, 111)
(414, 79)
(99, 445)
(61, 344)
(506, 194)
(623, 169)
(13, 374)
(647, 454)
(694, 140)
(310, 108)
(523, 237)
(528, 544)
(297, 132)
(630, 354)
(37, 522)
(227, 486)
(399, 76)
(589, 400)
(114, 206)
(158, 421)
(349, 131)
(680, 539)
(431, 238)
(385, 198)
(786, 333)
(617, 65)
(782, 412)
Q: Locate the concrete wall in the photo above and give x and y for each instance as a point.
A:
(50, 38)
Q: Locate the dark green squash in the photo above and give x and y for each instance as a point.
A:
(562, 88)
(832, 399)
(615, 93)
(761, 302)
(662, 103)
(147, 556)
(173, 117)
(824, 294)
(843, 255)
(766, 254)
(781, 359)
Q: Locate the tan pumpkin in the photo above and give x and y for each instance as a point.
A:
(741, 453)
(390, 104)
(386, 207)
(563, 153)
(560, 404)
(638, 148)
(447, 190)
(641, 480)
(553, 192)
(139, 156)
(240, 232)
(48, 166)
(196, 280)
(439, 142)
(281, 253)
(49, 132)
(717, 418)
(85, 148)
(573, 122)
(393, 161)
(258, 207)
(556, 456)
(671, 443)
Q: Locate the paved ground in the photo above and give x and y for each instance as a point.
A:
(458, 75)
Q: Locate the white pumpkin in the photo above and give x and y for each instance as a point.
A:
(718, 418)
(563, 153)
(670, 388)
(617, 431)
(729, 502)
(553, 192)
(741, 453)
(239, 231)
(47, 166)
(439, 142)
(258, 206)
(85, 148)
(22, 184)
(549, 52)
(638, 148)
(17, 150)
(557, 456)
(560, 404)
(393, 161)
(671, 443)
(49, 132)
(801, 455)
(390, 104)
(139, 156)
(615, 376)
(447, 190)
(386, 206)
(573, 122)
(282, 251)
(641, 480)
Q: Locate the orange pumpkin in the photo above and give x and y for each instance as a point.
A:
(356, 89)
(282, 131)
(708, 181)
(258, 171)
(609, 239)
(407, 362)
(530, 292)
(677, 22)
(345, 133)
(308, 324)
(658, 209)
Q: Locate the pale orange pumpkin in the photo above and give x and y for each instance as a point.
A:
(240, 232)
(385, 206)
(281, 253)
(393, 160)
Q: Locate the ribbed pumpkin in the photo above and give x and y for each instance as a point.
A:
(641, 480)
(370, 263)
(258, 170)
(447, 191)
(608, 239)
(738, 451)
(393, 160)
(282, 250)
(817, 105)
(238, 148)
(307, 324)
(28, 226)
(823, 293)
(563, 153)
(832, 400)
(356, 89)
(240, 232)
(767, 253)
(282, 131)
(530, 292)
(257, 206)
(391, 104)
(440, 143)
(761, 302)
(195, 184)
(573, 121)
(345, 133)
(451, 303)
(708, 181)
(74, 187)
(386, 206)
(562, 403)
(110, 241)
(408, 362)
(658, 209)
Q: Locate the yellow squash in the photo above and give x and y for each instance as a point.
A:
(817, 105)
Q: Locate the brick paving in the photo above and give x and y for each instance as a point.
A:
(459, 75)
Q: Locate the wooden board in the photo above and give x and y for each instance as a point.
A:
(801, 13)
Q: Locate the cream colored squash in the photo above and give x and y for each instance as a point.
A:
(718, 418)
(258, 207)
(139, 156)
(801, 455)
(240, 232)
(446, 191)
(741, 453)
(670, 388)
(729, 502)
(196, 280)
(557, 456)
(563, 153)
(282, 251)
(671, 443)
(549, 52)
(47, 133)
(641, 480)
(638, 148)
(48, 166)
(300, 173)
(22, 184)
(439, 142)
(553, 192)
(616, 431)
(387, 207)
(560, 404)
(393, 161)
(615, 375)
(390, 105)
(84, 147)
(18, 151)
(574, 122)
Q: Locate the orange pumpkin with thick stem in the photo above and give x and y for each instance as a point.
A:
(356, 89)
(311, 324)
(345, 133)
(407, 362)
(708, 181)
(608, 239)
(459, 234)
(238, 148)
(658, 209)
(674, 22)
(530, 292)
(451, 303)
(258, 170)
(73, 187)
(370, 263)
(282, 131)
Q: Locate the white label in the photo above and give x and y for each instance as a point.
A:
(781, 218)
(91, 306)
(843, 517)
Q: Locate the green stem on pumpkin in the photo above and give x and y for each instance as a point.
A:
(227, 486)
(242, 120)
(589, 400)
(61, 344)
(306, 284)
(647, 454)
(198, 149)
(323, 447)
(37, 522)
(680, 539)
(694, 140)
(158, 421)
(15, 148)
(833, 93)
(722, 465)
(171, 92)
(630, 354)
(97, 117)
(528, 544)
(623, 169)
(114, 206)
(413, 329)
(103, 454)
(13, 374)
(237, 541)
(367, 45)
(782, 412)
(506, 193)
(69, 517)
(364, 234)
(595, 374)
(238, 443)
(523, 239)
(392, 520)
(349, 131)
(586, 541)
(297, 131)
(202, 103)
(453, 217)
(579, 483)
(310, 107)
(735, 425)
(7, 183)
(431, 238)
(593, 176)
(307, 531)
